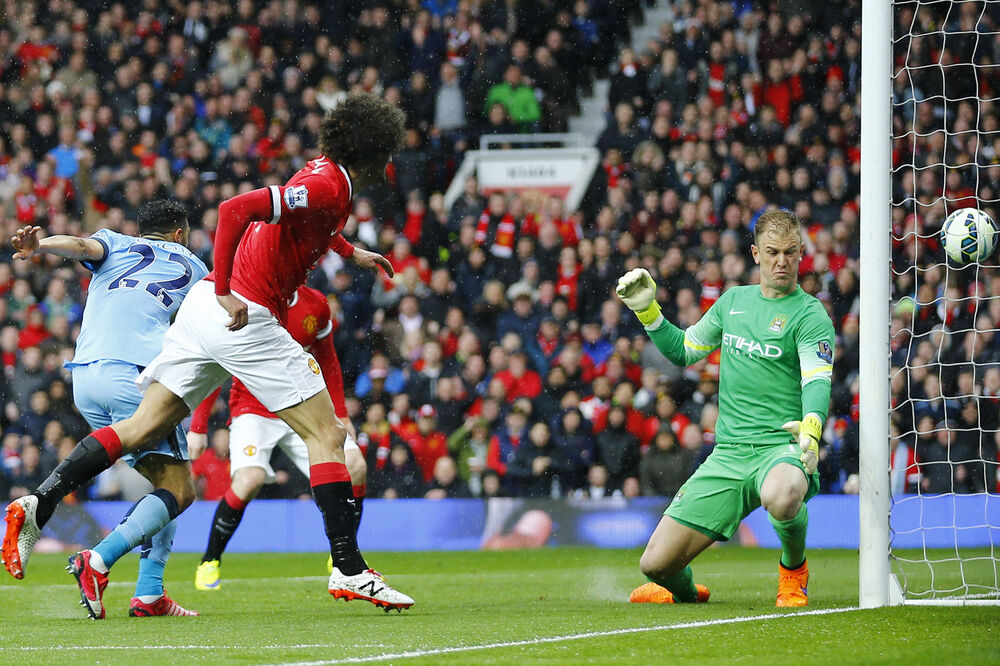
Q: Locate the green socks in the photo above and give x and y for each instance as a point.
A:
(681, 585)
(793, 538)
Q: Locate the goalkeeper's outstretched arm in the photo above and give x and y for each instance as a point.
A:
(638, 291)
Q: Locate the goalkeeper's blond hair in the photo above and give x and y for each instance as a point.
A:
(778, 222)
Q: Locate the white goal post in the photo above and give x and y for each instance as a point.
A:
(926, 544)
(876, 200)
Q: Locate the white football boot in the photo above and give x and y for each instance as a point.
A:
(367, 586)
(22, 534)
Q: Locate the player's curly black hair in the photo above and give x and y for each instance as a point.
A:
(161, 216)
(362, 130)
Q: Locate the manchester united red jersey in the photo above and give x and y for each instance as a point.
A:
(308, 320)
(274, 256)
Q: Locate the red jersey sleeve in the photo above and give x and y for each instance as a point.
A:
(321, 347)
(324, 324)
(342, 246)
(235, 215)
(201, 414)
(326, 356)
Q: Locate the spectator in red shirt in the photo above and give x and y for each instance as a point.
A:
(823, 247)
(400, 417)
(711, 285)
(567, 285)
(402, 258)
(35, 48)
(269, 148)
(25, 201)
(666, 414)
(618, 370)
(35, 332)
(519, 380)
(427, 443)
(211, 468)
(416, 211)
(781, 91)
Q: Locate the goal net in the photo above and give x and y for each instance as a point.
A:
(944, 333)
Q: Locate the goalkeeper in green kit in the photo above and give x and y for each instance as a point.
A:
(774, 391)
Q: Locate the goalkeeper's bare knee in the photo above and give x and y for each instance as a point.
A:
(783, 491)
(655, 564)
(782, 502)
(784, 511)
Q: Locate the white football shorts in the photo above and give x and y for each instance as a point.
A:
(252, 439)
(199, 353)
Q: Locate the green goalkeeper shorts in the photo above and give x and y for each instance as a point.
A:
(726, 487)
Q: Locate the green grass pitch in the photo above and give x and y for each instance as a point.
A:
(486, 607)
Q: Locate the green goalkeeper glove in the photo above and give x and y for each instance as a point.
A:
(807, 431)
(637, 290)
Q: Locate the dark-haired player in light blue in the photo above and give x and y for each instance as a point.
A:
(138, 285)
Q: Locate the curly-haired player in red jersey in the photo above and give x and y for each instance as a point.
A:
(266, 242)
(254, 432)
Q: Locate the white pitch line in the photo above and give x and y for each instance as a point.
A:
(39, 648)
(567, 637)
(432, 652)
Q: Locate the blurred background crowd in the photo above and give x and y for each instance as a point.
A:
(498, 361)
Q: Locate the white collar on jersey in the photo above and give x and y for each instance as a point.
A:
(294, 299)
(347, 176)
(350, 183)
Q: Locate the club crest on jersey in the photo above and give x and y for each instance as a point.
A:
(309, 324)
(249, 450)
(297, 196)
(314, 366)
(778, 323)
(825, 351)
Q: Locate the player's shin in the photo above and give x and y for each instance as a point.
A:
(140, 524)
(228, 515)
(152, 560)
(681, 585)
(331, 486)
(91, 456)
(359, 500)
(792, 534)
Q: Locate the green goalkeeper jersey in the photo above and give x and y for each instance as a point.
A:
(777, 360)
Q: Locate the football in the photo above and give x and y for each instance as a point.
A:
(969, 236)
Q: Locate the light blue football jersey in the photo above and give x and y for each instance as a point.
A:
(133, 296)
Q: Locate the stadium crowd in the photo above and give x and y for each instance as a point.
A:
(498, 360)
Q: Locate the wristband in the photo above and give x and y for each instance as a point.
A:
(650, 314)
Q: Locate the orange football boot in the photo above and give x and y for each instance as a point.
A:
(651, 593)
(793, 586)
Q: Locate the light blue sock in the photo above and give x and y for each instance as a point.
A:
(143, 520)
(152, 559)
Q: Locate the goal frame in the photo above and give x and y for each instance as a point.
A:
(878, 586)
(874, 502)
